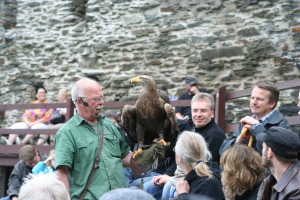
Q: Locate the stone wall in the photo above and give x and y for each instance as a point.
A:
(235, 43)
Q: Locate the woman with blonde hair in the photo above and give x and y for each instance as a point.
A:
(242, 172)
(202, 176)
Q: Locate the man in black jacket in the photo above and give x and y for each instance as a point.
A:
(202, 112)
(29, 157)
(203, 106)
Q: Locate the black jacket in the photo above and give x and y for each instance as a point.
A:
(210, 188)
(16, 179)
(214, 137)
(250, 194)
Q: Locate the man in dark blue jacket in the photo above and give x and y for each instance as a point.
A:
(264, 98)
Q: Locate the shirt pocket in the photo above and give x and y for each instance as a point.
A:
(112, 146)
(86, 150)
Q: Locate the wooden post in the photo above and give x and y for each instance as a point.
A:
(220, 104)
(70, 109)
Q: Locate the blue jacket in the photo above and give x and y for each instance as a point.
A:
(277, 119)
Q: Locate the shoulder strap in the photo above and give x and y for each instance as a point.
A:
(96, 166)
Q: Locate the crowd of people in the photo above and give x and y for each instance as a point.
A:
(92, 151)
(39, 119)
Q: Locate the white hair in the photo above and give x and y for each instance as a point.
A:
(43, 186)
(191, 147)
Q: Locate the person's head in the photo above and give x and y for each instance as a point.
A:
(242, 169)
(191, 149)
(264, 98)
(40, 94)
(162, 88)
(164, 97)
(126, 194)
(63, 95)
(43, 186)
(88, 97)
(113, 117)
(281, 144)
(202, 106)
(190, 82)
(29, 155)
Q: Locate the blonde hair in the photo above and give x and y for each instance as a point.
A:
(242, 169)
(52, 151)
(192, 149)
(204, 97)
(66, 93)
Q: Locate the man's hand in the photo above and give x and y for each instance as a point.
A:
(161, 180)
(194, 89)
(249, 121)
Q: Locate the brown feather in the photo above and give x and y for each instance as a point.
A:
(150, 116)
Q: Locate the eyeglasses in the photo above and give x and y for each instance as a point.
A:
(95, 99)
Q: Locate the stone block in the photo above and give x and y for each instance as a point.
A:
(248, 32)
(209, 54)
(260, 48)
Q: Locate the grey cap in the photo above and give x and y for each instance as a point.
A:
(282, 141)
(191, 80)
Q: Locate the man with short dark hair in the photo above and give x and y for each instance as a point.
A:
(192, 89)
(29, 157)
(280, 151)
(264, 98)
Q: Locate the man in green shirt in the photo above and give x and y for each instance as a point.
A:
(77, 143)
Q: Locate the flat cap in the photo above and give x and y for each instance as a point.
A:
(282, 141)
(191, 80)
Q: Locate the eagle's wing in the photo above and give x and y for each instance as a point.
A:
(129, 122)
(170, 124)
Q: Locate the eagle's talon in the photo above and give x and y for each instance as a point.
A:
(137, 152)
(161, 141)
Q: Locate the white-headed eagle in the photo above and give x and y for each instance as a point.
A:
(150, 119)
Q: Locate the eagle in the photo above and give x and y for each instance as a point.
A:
(151, 119)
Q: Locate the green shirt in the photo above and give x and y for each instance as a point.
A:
(76, 146)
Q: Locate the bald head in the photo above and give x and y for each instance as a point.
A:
(80, 87)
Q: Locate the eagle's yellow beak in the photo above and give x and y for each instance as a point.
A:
(136, 80)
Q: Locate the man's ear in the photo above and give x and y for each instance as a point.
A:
(270, 153)
(272, 105)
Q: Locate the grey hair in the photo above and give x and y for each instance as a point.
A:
(193, 150)
(204, 97)
(78, 89)
(127, 194)
(43, 186)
